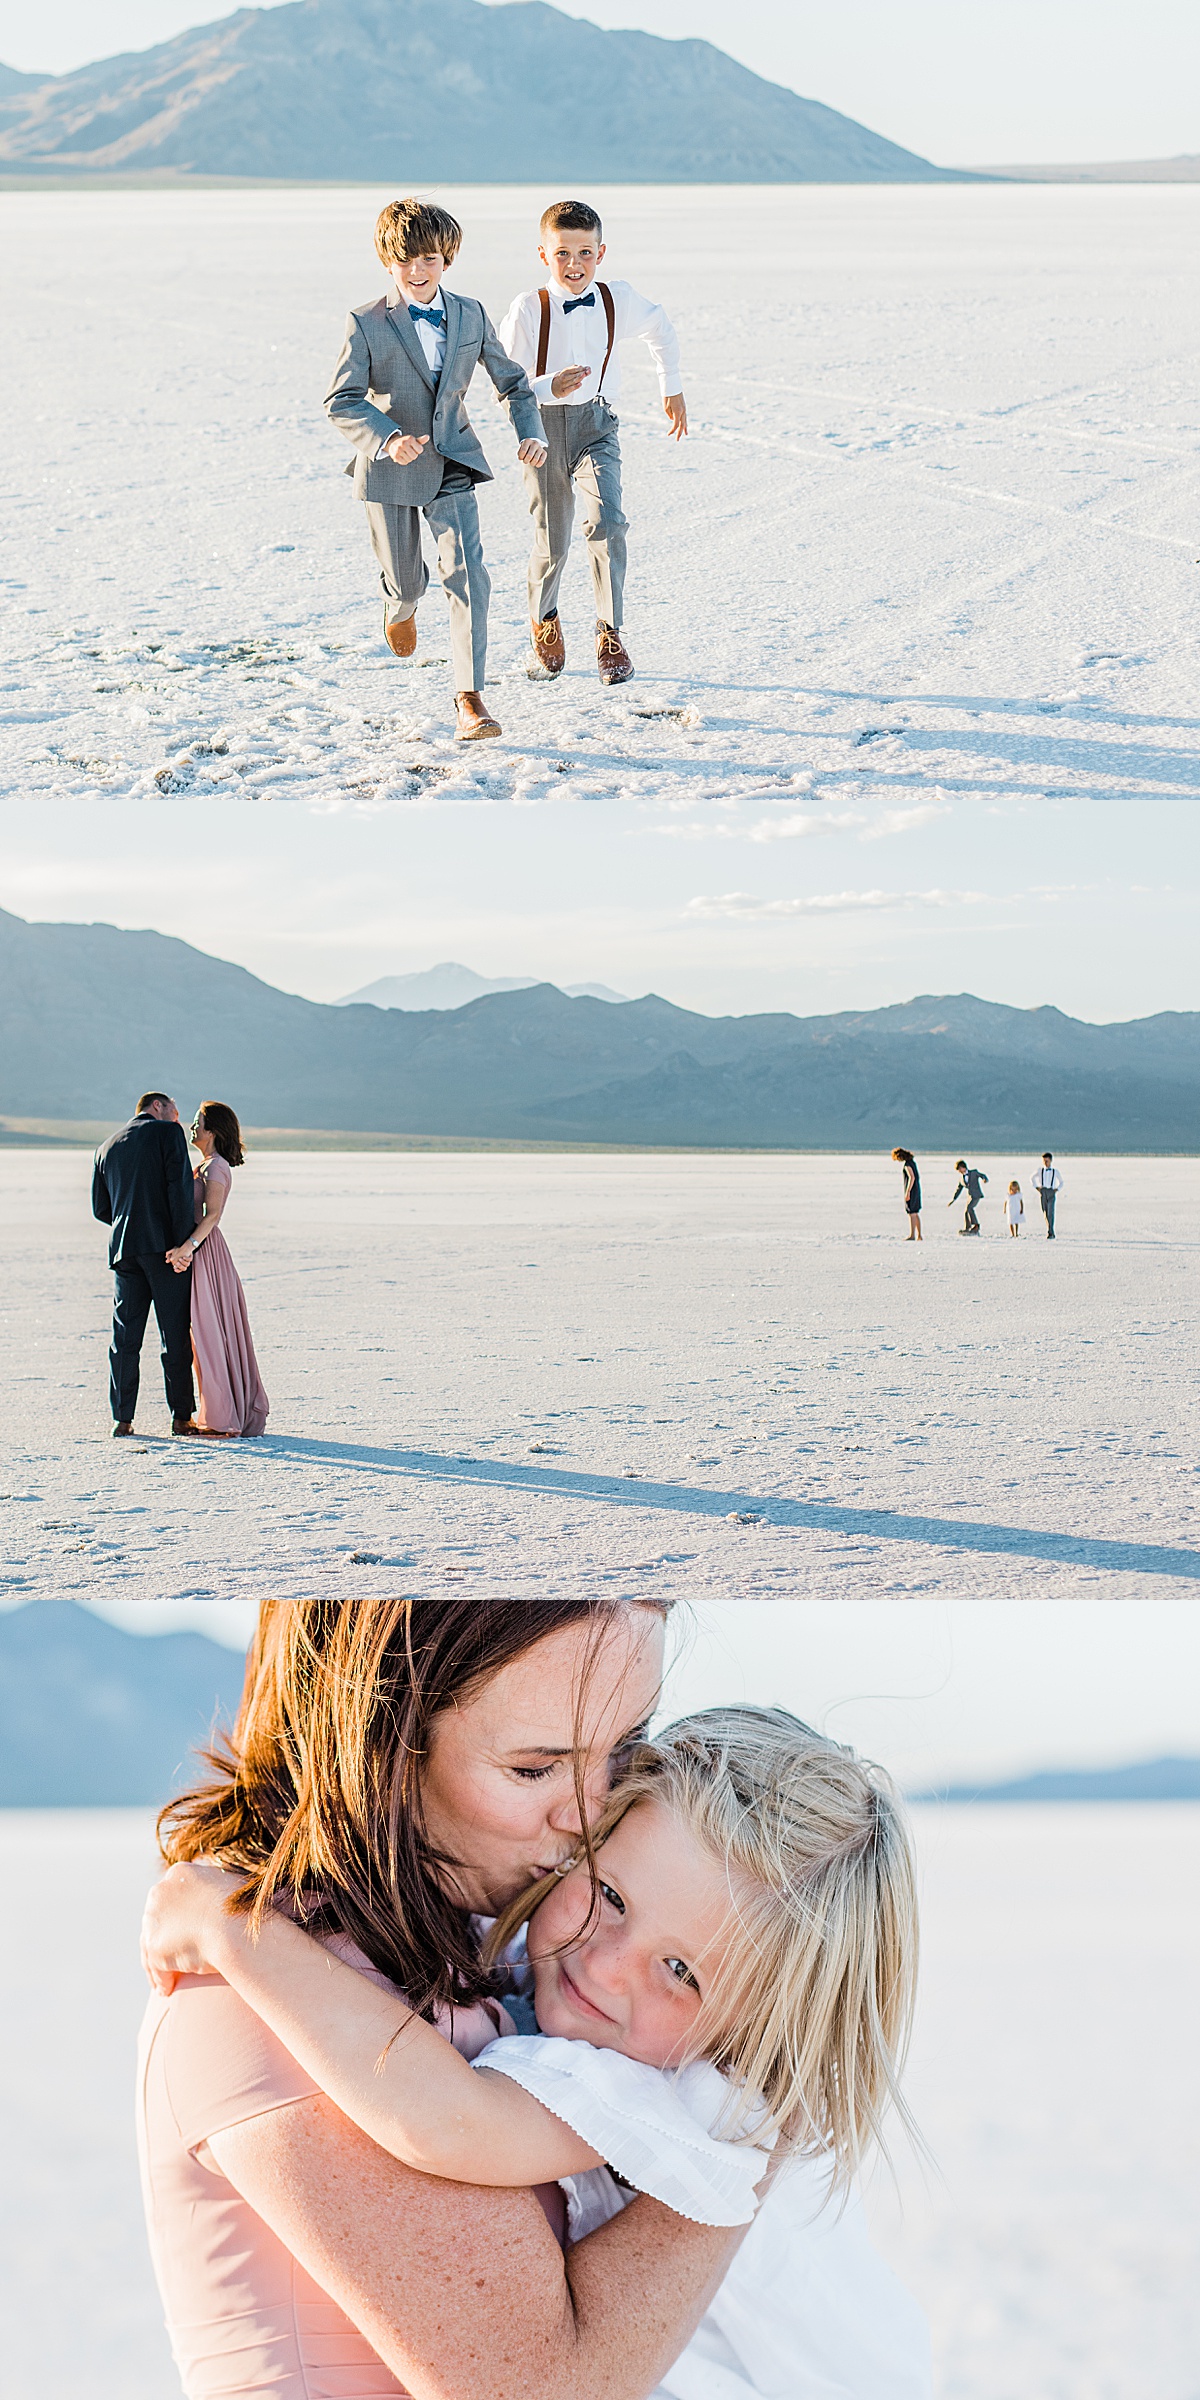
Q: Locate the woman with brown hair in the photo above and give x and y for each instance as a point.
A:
(398, 1769)
(232, 1398)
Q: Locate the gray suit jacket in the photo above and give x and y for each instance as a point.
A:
(382, 384)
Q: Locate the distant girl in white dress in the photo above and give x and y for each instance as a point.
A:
(1014, 1209)
(723, 1994)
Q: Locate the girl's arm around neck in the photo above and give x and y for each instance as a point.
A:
(393, 2075)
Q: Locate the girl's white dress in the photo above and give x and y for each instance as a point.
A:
(808, 2309)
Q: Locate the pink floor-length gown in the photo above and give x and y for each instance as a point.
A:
(232, 1399)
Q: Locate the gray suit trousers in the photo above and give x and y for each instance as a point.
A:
(453, 519)
(582, 449)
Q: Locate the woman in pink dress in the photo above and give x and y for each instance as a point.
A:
(232, 1399)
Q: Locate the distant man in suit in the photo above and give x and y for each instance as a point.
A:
(1047, 1183)
(142, 1187)
(399, 395)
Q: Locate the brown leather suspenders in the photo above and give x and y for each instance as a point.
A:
(610, 319)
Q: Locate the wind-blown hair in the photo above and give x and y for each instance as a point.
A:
(411, 228)
(809, 2010)
(315, 1798)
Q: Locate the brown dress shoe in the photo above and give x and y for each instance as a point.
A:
(549, 650)
(400, 634)
(612, 657)
(473, 721)
(123, 1425)
(184, 1425)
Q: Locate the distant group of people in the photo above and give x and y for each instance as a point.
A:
(1046, 1181)
(167, 1252)
(399, 395)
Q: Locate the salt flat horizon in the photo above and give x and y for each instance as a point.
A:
(725, 1376)
(1053, 2077)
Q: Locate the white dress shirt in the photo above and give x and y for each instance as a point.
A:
(581, 339)
(431, 337)
(1046, 1179)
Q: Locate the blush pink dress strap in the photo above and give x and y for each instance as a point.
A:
(232, 1397)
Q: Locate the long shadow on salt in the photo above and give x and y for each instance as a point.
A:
(814, 1516)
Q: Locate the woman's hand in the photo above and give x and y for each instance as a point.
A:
(181, 1257)
(186, 1923)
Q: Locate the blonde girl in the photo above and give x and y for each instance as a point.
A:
(722, 1996)
(1014, 1209)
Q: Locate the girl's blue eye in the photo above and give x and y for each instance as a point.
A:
(681, 1972)
(613, 1898)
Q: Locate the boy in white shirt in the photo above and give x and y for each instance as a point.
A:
(567, 337)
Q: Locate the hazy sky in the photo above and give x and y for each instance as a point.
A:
(961, 81)
(354, 896)
(934, 1691)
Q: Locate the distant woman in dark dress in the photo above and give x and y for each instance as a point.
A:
(912, 1191)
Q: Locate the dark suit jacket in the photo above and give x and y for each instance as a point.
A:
(383, 384)
(142, 1187)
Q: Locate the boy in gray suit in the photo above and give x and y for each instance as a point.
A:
(398, 394)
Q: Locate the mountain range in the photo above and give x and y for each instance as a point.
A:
(1146, 1779)
(94, 1717)
(90, 1015)
(405, 92)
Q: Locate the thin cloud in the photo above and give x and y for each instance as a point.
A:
(745, 904)
(802, 827)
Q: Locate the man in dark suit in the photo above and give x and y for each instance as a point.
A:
(142, 1187)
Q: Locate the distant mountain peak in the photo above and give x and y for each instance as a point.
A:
(450, 985)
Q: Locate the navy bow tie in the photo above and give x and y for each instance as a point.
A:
(432, 316)
(588, 301)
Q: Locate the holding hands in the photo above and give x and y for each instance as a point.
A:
(181, 1257)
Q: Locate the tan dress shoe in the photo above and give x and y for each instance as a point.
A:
(184, 1425)
(473, 721)
(549, 650)
(612, 657)
(123, 1425)
(400, 634)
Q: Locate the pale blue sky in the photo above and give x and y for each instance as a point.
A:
(936, 1692)
(962, 81)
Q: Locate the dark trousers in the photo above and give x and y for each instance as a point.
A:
(971, 1220)
(1047, 1200)
(141, 1282)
